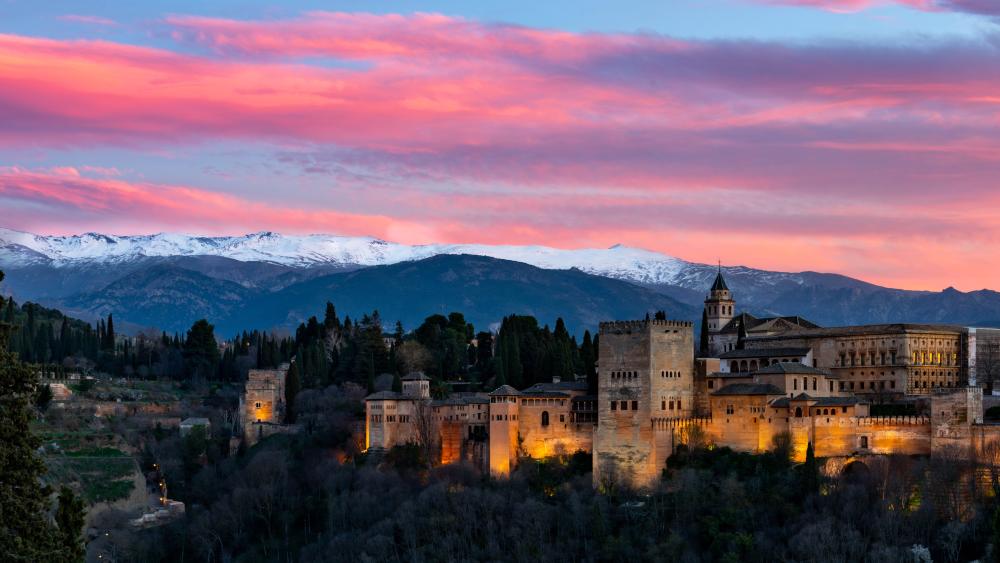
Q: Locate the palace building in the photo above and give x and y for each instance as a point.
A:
(759, 380)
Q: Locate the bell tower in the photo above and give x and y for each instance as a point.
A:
(719, 308)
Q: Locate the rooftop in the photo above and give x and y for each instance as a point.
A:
(505, 390)
(792, 368)
(415, 376)
(749, 389)
(866, 330)
(763, 353)
(556, 386)
(818, 401)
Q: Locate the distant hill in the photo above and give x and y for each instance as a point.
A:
(484, 289)
(268, 279)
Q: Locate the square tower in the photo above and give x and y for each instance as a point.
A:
(645, 372)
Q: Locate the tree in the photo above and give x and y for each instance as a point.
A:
(292, 387)
(69, 521)
(109, 336)
(25, 533)
(810, 472)
(703, 350)
(43, 397)
(588, 355)
(201, 351)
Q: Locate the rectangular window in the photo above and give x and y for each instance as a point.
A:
(729, 409)
(562, 418)
(624, 405)
(663, 405)
(614, 405)
(814, 384)
(711, 383)
(678, 404)
(864, 442)
(892, 384)
(635, 405)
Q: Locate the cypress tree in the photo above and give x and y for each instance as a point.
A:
(69, 521)
(703, 340)
(110, 336)
(810, 471)
(292, 386)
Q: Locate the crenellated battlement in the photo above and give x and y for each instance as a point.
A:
(610, 326)
(675, 423)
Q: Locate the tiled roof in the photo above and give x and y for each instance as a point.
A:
(560, 386)
(819, 401)
(720, 283)
(505, 390)
(749, 389)
(415, 376)
(792, 368)
(763, 353)
(384, 396)
(866, 330)
(731, 374)
(761, 324)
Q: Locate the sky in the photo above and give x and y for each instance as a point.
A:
(853, 136)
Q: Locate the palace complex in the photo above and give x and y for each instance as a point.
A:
(745, 382)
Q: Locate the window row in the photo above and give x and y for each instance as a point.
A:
(669, 405)
(624, 405)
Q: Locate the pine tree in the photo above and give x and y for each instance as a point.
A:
(25, 533)
(201, 351)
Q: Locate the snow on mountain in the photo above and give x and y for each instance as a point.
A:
(621, 262)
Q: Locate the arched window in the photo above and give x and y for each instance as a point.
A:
(545, 418)
(798, 412)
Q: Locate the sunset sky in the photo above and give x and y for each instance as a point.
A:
(853, 136)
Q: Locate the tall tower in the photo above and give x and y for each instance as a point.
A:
(503, 430)
(645, 374)
(719, 310)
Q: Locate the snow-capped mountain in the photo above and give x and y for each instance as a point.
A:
(621, 262)
(267, 279)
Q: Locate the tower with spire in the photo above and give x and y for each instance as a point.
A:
(719, 310)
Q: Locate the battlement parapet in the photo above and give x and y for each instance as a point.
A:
(610, 326)
(675, 423)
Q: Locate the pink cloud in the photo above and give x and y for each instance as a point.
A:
(783, 156)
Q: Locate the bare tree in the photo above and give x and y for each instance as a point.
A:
(425, 429)
(414, 356)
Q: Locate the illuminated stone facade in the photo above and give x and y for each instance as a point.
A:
(545, 420)
(883, 360)
(778, 378)
(262, 405)
(451, 429)
(645, 372)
